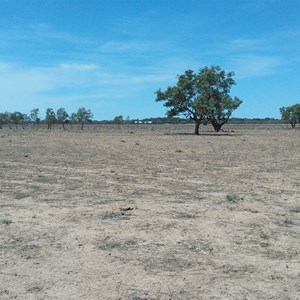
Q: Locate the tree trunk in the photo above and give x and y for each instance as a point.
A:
(197, 126)
(81, 126)
(217, 127)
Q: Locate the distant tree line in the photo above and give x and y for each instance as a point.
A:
(61, 116)
(178, 120)
(255, 121)
(159, 120)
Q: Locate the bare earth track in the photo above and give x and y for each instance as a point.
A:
(150, 212)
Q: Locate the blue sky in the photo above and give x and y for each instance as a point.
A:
(111, 56)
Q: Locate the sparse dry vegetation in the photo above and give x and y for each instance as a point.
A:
(150, 212)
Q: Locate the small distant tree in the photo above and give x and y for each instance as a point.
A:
(201, 97)
(62, 116)
(34, 116)
(73, 119)
(83, 115)
(50, 118)
(16, 118)
(4, 118)
(127, 120)
(118, 120)
(26, 120)
(291, 114)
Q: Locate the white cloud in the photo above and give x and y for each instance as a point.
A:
(39, 27)
(255, 66)
(78, 67)
(41, 35)
(246, 44)
(72, 85)
(121, 46)
(135, 46)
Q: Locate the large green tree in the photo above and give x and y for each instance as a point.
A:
(183, 98)
(291, 114)
(202, 97)
(215, 100)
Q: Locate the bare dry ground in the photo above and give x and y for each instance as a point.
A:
(149, 212)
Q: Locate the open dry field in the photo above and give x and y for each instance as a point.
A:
(150, 212)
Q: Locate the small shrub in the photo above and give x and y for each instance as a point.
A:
(288, 222)
(34, 289)
(295, 209)
(5, 222)
(264, 244)
(233, 198)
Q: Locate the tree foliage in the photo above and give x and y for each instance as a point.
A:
(183, 99)
(4, 118)
(118, 119)
(62, 116)
(202, 97)
(50, 118)
(73, 118)
(16, 118)
(83, 115)
(291, 114)
(34, 116)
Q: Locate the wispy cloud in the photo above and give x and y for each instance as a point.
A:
(118, 46)
(78, 67)
(246, 44)
(255, 66)
(74, 84)
(40, 43)
(36, 32)
(39, 27)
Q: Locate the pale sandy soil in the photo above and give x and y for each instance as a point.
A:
(148, 212)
